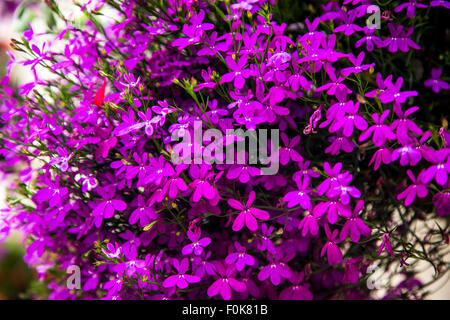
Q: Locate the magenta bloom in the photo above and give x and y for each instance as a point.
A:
(380, 131)
(386, 244)
(181, 280)
(355, 226)
(239, 74)
(248, 214)
(226, 282)
(197, 244)
(288, 152)
(441, 167)
(418, 188)
(240, 258)
(300, 196)
(297, 291)
(105, 209)
(435, 83)
(276, 270)
(333, 252)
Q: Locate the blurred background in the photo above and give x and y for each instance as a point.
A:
(16, 280)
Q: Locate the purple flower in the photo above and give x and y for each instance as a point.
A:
(435, 82)
(181, 280)
(300, 196)
(63, 159)
(239, 74)
(410, 7)
(357, 64)
(386, 244)
(240, 258)
(226, 282)
(350, 120)
(355, 226)
(332, 208)
(197, 244)
(288, 152)
(380, 131)
(418, 188)
(441, 166)
(247, 215)
(296, 291)
(276, 270)
(333, 252)
(105, 209)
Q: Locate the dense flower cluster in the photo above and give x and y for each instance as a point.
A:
(93, 146)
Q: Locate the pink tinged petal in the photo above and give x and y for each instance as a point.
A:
(237, 285)
(204, 242)
(192, 279)
(235, 204)
(251, 198)
(215, 288)
(260, 214)
(119, 205)
(250, 221)
(226, 291)
(170, 281)
(187, 249)
(441, 176)
(182, 283)
(109, 211)
(239, 222)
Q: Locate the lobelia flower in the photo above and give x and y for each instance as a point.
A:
(276, 269)
(105, 209)
(355, 226)
(264, 242)
(225, 282)
(180, 280)
(131, 266)
(380, 131)
(441, 168)
(333, 252)
(435, 83)
(339, 143)
(410, 7)
(350, 120)
(53, 193)
(357, 67)
(419, 188)
(300, 196)
(197, 244)
(332, 208)
(441, 201)
(288, 152)
(201, 186)
(309, 225)
(369, 39)
(240, 258)
(351, 274)
(296, 291)
(348, 28)
(62, 160)
(248, 214)
(386, 244)
(143, 213)
(239, 74)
